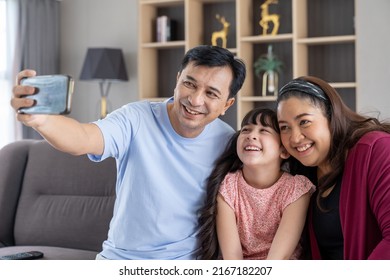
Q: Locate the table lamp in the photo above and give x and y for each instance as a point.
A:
(105, 65)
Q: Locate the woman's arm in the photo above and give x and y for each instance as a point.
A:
(290, 229)
(378, 181)
(228, 238)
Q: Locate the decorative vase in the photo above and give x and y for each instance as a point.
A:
(270, 83)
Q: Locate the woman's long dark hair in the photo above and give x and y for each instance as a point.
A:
(226, 163)
(346, 128)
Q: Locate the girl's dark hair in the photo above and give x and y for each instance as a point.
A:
(346, 128)
(214, 56)
(226, 163)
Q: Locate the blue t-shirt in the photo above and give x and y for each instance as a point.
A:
(160, 181)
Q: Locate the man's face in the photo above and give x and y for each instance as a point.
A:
(200, 96)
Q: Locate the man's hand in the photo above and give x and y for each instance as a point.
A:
(17, 100)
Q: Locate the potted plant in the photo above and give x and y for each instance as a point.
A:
(270, 66)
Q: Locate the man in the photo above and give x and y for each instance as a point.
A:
(164, 152)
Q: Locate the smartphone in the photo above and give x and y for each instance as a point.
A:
(53, 94)
(32, 255)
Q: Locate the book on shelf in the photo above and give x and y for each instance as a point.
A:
(165, 29)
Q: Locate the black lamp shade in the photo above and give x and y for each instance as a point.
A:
(104, 64)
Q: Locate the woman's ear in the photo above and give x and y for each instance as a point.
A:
(283, 152)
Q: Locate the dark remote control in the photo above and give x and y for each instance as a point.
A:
(23, 256)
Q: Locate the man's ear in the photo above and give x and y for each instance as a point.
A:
(283, 152)
(228, 104)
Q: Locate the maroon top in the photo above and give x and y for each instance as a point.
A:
(365, 200)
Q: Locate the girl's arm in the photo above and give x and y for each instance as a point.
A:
(290, 229)
(228, 238)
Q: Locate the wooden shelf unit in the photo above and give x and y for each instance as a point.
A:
(315, 37)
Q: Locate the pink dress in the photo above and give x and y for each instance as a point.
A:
(259, 211)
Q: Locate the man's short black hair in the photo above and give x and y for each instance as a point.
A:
(214, 56)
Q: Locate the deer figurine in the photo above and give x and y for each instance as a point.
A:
(221, 34)
(266, 18)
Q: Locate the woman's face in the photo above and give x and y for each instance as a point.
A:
(305, 132)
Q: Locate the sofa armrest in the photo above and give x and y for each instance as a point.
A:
(13, 160)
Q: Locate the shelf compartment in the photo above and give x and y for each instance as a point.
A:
(348, 95)
(326, 20)
(158, 71)
(249, 12)
(211, 24)
(283, 51)
(282, 8)
(169, 61)
(333, 63)
(150, 10)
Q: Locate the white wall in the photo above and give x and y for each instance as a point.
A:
(98, 23)
(103, 23)
(373, 56)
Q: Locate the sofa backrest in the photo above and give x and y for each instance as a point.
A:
(64, 200)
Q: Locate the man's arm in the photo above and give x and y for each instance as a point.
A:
(63, 133)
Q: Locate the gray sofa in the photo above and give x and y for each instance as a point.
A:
(53, 202)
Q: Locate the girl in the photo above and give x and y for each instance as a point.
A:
(347, 156)
(254, 210)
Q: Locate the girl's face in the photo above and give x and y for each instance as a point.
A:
(259, 145)
(305, 132)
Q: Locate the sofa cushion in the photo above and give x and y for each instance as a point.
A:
(65, 201)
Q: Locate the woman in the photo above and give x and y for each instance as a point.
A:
(347, 156)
